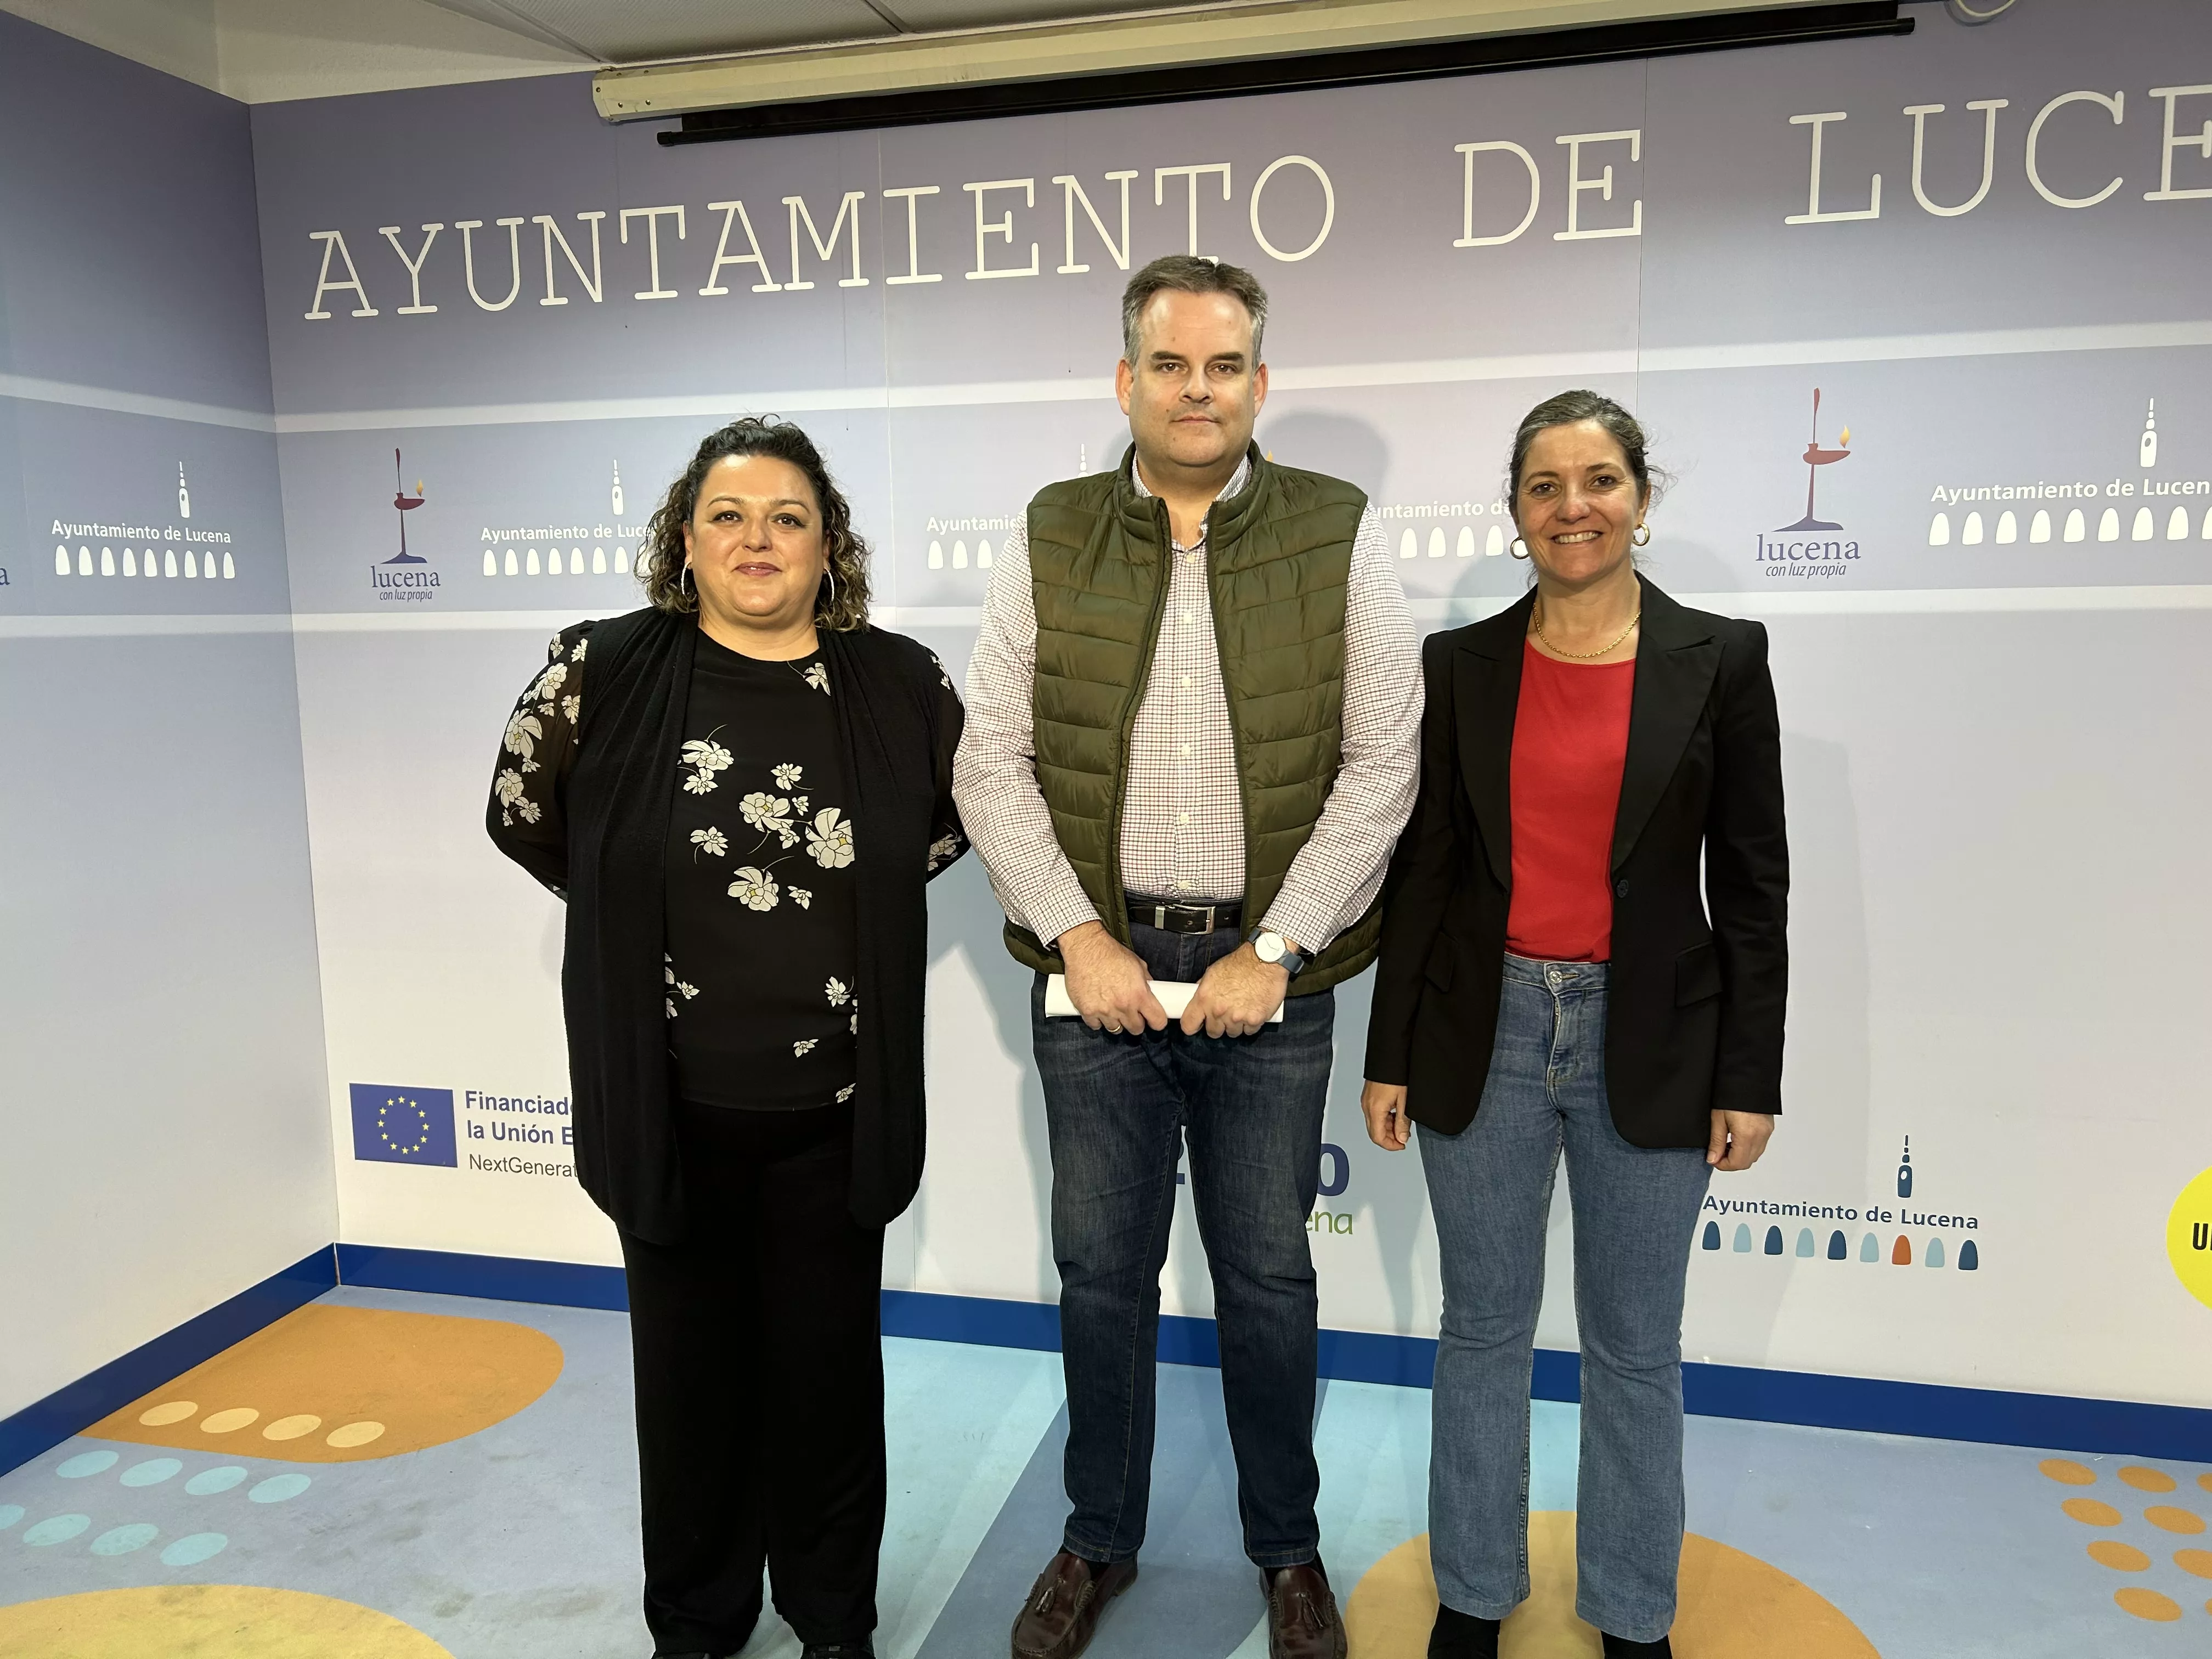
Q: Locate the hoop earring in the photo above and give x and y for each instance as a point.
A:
(684, 584)
(830, 572)
(1518, 548)
(1641, 536)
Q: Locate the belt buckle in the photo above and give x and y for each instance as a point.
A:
(1171, 917)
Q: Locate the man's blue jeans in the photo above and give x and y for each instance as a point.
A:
(1118, 1109)
(1490, 1189)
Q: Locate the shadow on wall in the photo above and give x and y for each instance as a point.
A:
(1821, 1152)
(1339, 445)
(1678, 565)
(1386, 1191)
(553, 943)
(1104, 453)
(965, 917)
(1684, 567)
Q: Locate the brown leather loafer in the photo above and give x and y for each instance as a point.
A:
(1302, 1621)
(1062, 1614)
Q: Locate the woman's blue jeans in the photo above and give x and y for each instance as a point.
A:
(1635, 1211)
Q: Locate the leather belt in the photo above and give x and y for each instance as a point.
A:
(1147, 912)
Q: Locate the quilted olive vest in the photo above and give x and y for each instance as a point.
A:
(1278, 558)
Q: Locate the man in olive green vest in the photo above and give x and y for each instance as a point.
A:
(1190, 747)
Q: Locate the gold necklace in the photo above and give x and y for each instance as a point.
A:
(1585, 656)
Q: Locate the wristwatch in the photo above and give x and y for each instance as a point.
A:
(1271, 947)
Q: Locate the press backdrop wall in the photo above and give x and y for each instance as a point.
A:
(1983, 251)
(161, 1021)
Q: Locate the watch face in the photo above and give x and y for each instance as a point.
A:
(1269, 947)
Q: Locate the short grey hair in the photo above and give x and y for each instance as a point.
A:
(1185, 273)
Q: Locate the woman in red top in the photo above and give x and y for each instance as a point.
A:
(1583, 952)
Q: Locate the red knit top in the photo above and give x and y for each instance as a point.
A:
(1569, 744)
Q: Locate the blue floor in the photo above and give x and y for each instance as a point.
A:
(518, 1541)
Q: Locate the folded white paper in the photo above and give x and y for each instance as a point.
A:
(1174, 994)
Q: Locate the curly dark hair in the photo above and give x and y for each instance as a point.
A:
(842, 606)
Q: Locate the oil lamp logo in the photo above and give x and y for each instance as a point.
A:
(405, 577)
(1809, 549)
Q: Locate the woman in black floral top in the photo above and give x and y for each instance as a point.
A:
(742, 791)
(762, 919)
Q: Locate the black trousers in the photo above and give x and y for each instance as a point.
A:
(760, 1386)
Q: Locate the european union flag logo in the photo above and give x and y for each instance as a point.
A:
(394, 1125)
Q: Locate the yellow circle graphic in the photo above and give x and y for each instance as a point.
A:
(238, 1621)
(328, 1384)
(2121, 1558)
(2090, 1513)
(1731, 1606)
(2148, 1604)
(2188, 1237)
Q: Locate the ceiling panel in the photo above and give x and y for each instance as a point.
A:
(919, 14)
(641, 30)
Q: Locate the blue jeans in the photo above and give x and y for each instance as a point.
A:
(1490, 1187)
(1118, 1109)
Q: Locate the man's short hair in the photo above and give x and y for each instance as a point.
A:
(1185, 273)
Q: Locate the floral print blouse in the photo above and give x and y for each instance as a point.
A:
(759, 887)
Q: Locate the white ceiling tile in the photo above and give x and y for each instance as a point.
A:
(640, 30)
(919, 14)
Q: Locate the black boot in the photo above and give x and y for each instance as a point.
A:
(860, 1649)
(1620, 1647)
(1462, 1636)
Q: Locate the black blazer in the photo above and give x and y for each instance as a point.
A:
(1693, 1007)
(601, 847)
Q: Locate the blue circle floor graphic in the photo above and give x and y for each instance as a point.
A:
(123, 1540)
(192, 1551)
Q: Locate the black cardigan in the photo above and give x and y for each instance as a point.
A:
(602, 848)
(1694, 1007)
